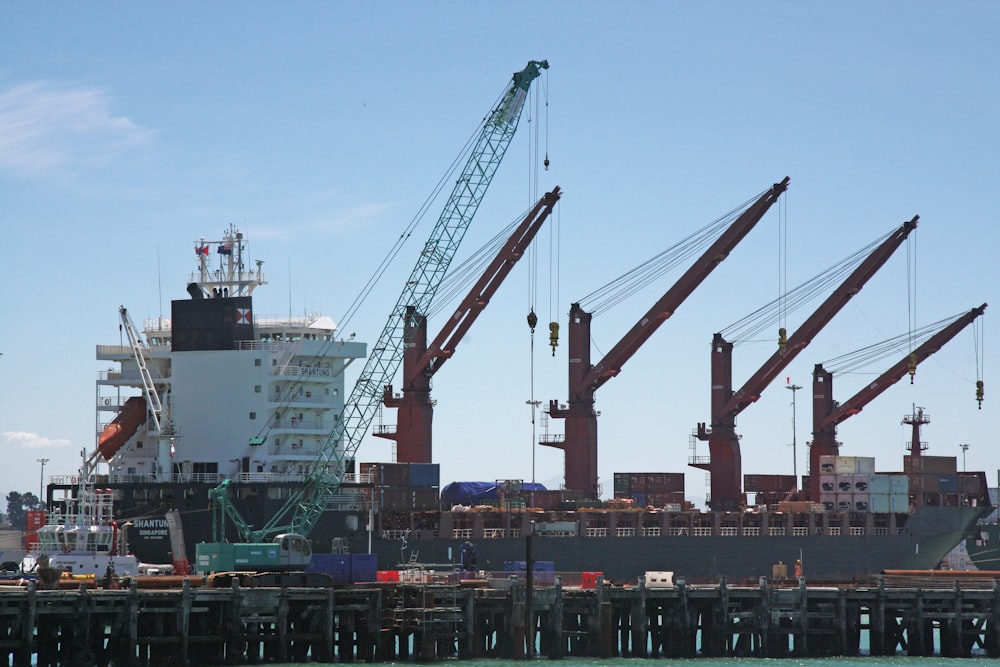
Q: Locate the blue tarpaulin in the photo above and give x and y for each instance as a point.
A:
(475, 493)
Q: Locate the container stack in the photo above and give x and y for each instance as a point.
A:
(934, 480)
(769, 489)
(650, 489)
(846, 485)
(889, 493)
(403, 486)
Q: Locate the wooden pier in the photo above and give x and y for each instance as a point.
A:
(241, 625)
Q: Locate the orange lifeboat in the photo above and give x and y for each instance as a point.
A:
(123, 427)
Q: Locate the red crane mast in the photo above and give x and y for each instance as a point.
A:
(827, 414)
(725, 463)
(415, 416)
(580, 440)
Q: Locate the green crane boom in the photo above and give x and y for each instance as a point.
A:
(303, 509)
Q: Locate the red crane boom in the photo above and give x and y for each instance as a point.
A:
(413, 431)
(827, 414)
(580, 440)
(725, 463)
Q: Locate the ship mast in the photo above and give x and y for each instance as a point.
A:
(226, 277)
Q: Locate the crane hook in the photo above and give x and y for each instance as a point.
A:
(782, 340)
(554, 336)
(546, 163)
(913, 366)
(979, 393)
(532, 320)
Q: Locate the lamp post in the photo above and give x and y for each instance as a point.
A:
(41, 480)
(795, 472)
(965, 448)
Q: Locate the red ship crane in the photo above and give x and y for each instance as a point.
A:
(827, 414)
(725, 464)
(413, 430)
(580, 440)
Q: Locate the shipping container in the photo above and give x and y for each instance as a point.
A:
(899, 503)
(879, 484)
(588, 580)
(827, 464)
(768, 483)
(425, 475)
(845, 502)
(879, 503)
(944, 465)
(899, 484)
(828, 483)
(623, 484)
(36, 519)
(865, 465)
(861, 483)
(364, 568)
(969, 483)
(947, 483)
(845, 465)
(338, 566)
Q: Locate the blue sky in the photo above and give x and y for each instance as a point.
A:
(129, 130)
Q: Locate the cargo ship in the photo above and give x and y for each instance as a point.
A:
(218, 392)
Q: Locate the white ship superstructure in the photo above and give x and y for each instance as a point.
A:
(244, 397)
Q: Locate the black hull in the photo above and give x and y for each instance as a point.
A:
(925, 540)
(927, 536)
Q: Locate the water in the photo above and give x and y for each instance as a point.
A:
(896, 661)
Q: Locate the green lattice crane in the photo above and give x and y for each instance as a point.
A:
(305, 506)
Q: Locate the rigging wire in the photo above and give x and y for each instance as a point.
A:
(745, 329)
(613, 293)
(380, 270)
(853, 361)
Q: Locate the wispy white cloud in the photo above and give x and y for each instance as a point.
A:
(44, 126)
(33, 440)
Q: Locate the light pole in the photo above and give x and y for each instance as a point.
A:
(965, 448)
(795, 471)
(41, 481)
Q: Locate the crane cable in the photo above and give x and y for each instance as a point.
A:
(782, 273)
(979, 338)
(911, 297)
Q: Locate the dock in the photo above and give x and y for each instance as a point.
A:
(425, 622)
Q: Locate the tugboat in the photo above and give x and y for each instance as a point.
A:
(82, 538)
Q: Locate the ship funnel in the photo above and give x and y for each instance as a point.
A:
(195, 291)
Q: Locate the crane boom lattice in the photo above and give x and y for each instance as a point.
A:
(305, 506)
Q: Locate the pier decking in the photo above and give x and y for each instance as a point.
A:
(424, 622)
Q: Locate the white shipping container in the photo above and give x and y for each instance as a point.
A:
(862, 483)
(827, 463)
(827, 484)
(865, 465)
(845, 465)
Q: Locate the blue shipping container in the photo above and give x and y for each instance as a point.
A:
(948, 483)
(426, 475)
(338, 566)
(364, 568)
(879, 484)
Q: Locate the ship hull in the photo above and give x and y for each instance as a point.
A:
(923, 541)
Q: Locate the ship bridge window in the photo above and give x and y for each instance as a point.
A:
(256, 362)
(256, 388)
